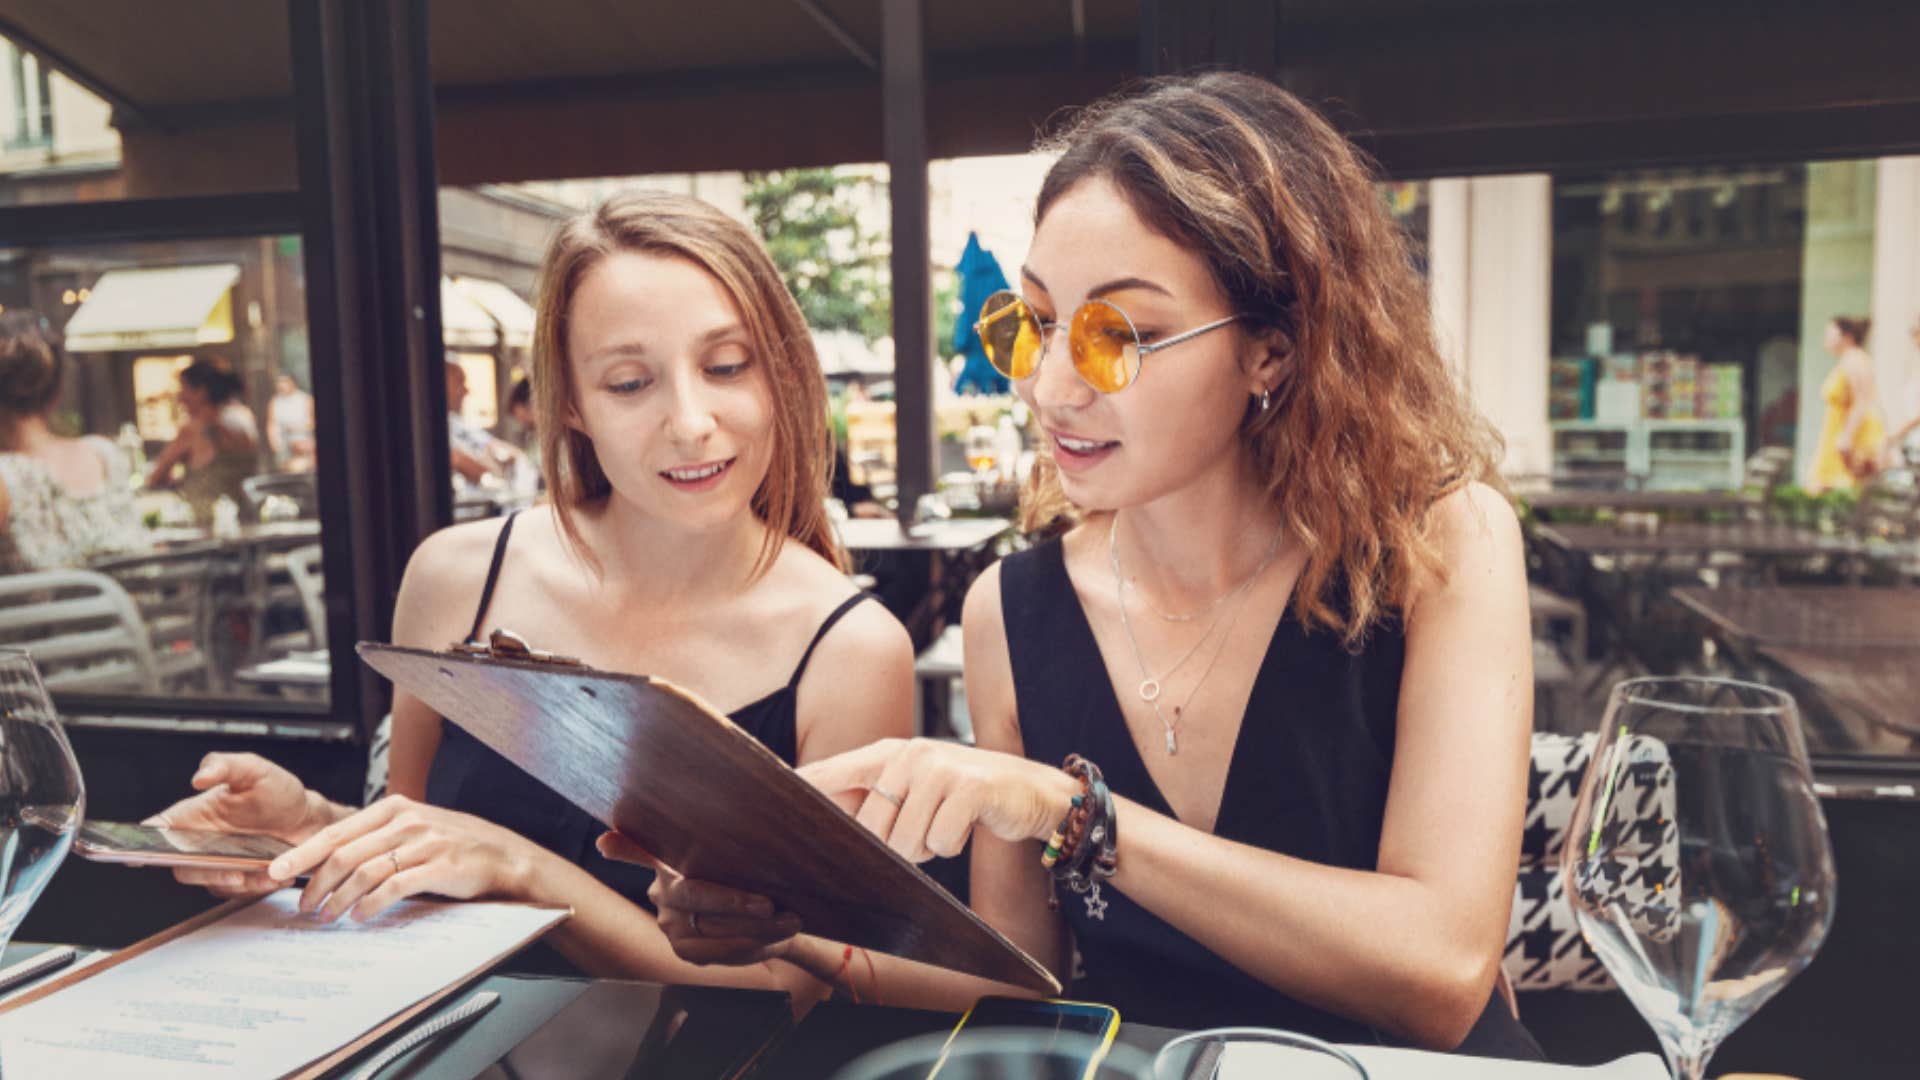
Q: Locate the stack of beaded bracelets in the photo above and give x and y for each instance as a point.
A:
(1084, 850)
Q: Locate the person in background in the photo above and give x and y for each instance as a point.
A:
(219, 444)
(1853, 433)
(525, 421)
(683, 419)
(64, 502)
(290, 425)
(475, 452)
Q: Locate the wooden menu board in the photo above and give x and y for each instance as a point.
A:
(651, 760)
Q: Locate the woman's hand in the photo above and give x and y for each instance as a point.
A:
(707, 923)
(244, 793)
(397, 848)
(924, 797)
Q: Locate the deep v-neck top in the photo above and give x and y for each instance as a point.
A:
(1307, 778)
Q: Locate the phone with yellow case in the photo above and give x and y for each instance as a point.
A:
(1037, 1027)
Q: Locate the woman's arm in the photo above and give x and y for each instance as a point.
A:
(1009, 886)
(161, 474)
(1412, 946)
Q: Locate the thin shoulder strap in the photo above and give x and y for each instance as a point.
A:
(845, 606)
(493, 576)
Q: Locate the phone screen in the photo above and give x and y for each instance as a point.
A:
(120, 837)
(1078, 1032)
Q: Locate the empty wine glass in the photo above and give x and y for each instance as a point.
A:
(41, 796)
(1697, 860)
(1002, 1054)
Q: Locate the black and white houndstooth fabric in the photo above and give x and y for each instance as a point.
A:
(1545, 949)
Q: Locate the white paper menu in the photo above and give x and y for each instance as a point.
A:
(263, 992)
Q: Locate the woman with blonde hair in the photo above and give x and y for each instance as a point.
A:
(1282, 649)
(683, 426)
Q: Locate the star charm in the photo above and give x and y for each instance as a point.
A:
(1096, 907)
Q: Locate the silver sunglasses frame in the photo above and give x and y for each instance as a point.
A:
(1140, 348)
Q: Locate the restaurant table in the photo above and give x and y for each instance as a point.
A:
(1759, 540)
(1748, 616)
(957, 549)
(1623, 575)
(1870, 693)
(1851, 654)
(712, 1032)
(167, 537)
(303, 675)
(1545, 503)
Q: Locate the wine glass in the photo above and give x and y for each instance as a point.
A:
(1254, 1052)
(1697, 860)
(1001, 1054)
(41, 796)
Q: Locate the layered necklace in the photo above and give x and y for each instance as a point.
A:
(1150, 684)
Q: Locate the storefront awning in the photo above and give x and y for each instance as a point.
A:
(173, 307)
(514, 315)
(463, 323)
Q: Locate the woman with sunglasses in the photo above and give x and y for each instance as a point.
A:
(684, 433)
(1288, 622)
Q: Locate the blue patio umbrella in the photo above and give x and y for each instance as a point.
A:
(980, 277)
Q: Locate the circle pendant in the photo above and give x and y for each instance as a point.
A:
(1149, 689)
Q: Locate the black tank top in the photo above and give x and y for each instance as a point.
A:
(1307, 778)
(469, 776)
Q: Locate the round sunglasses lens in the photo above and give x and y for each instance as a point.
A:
(1105, 350)
(1009, 335)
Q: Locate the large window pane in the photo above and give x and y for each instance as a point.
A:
(163, 539)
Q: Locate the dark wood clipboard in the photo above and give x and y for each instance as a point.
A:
(653, 761)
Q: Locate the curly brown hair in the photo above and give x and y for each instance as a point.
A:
(1369, 427)
(791, 500)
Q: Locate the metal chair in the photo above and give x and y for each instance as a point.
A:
(172, 591)
(303, 566)
(81, 628)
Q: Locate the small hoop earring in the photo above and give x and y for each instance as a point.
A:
(1266, 399)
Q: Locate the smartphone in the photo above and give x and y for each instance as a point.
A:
(148, 845)
(1089, 1029)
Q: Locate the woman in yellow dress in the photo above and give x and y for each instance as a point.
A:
(1852, 434)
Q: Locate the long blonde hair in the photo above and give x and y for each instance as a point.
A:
(791, 500)
(1369, 426)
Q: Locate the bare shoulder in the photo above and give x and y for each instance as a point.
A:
(1474, 518)
(444, 577)
(1477, 536)
(982, 613)
(810, 586)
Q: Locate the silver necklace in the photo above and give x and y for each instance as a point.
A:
(1150, 684)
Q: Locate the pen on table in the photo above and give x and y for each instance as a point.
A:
(41, 963)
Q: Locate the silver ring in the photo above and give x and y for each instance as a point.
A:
(394, 856)
(885, 794)
(693, 920)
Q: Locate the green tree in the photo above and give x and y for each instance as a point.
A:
(836, 268)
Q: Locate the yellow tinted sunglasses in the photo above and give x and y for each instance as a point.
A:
(1106, 348)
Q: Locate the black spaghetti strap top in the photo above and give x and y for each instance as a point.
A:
(1307, 778)
(469, 776)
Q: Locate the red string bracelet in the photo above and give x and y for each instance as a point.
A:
(873, 978)
(846, 969)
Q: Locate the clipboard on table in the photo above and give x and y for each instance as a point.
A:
(653, 761)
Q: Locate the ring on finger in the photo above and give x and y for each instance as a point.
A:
(885, 794)
(693, 920)
(394, 857)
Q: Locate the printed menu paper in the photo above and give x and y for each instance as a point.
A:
(262, 992)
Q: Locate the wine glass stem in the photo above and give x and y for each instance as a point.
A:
(1689, 1065)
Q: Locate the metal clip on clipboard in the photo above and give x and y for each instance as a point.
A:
(506, 645)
